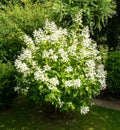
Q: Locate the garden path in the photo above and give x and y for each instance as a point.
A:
(108, 104)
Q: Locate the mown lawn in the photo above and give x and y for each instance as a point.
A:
(25, 116)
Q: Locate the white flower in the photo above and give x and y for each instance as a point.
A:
(101, 73)
(86, 42)
(50, 26)
(72, 49)
(60, 103)
(40, 75)
(50, 87)
(54, 57)
(33, 63)
(55, 36)
(21, 67)
(51, 51)
(78, 17)
(84, 110)
(27, 54)
(38, 33)
(76, 83)
(85, 33)
(63, 55)
(84, 52)
(54, 81)
(28, 40)
(65, 58)
(68, 83)
(47, 67)
(90, 64)
(91, 74)
(69, 69)
(17, 88)
(103, 83)
(45, 54)
(61, 50)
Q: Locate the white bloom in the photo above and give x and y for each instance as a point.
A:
(33, 63)
(84, 52)
(91, 74)
(55, 37)
(45, 54)
(68, 83)
(77, 83)
(85, 33)
(16, 88)
(103, 83)
(50, 87)
(50, 26)
(47, 67)
(63, 55)
(84, 110)
(27, 54)
(90, 63)
(38, 33)
(101, 73)
(28, 40)
(65, 32)
(78, 17)
(40, 75)
(21, 67)
(51, 51)
(86, 42)
(54, 57)
(72, 49)
(54, 81)
(69, 69)
(61, 50)
(60, 102)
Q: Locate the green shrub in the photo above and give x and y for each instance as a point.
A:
(61, 67)
(113, 69)
(29, 17)
(16, 20)
(7, 84)
(10, 39)
(95, 12)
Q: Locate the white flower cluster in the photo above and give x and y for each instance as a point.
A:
(73, 83)
(50, 28)
(84, 110)
(101, 74)
(21, 67)
(61, 61)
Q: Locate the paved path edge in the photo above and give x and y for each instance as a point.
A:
(108, 104)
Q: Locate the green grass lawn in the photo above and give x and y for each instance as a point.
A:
(24, 116)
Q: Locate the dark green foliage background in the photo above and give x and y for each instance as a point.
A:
(7, 84)
(113, 69)
(15, 21)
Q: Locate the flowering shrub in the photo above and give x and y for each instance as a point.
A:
(62, 67)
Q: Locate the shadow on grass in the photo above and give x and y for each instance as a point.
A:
(25, 116)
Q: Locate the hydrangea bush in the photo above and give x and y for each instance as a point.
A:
(61, 67)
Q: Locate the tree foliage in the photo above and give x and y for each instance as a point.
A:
(95, 12)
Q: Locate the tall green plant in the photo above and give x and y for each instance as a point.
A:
(95, 12)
